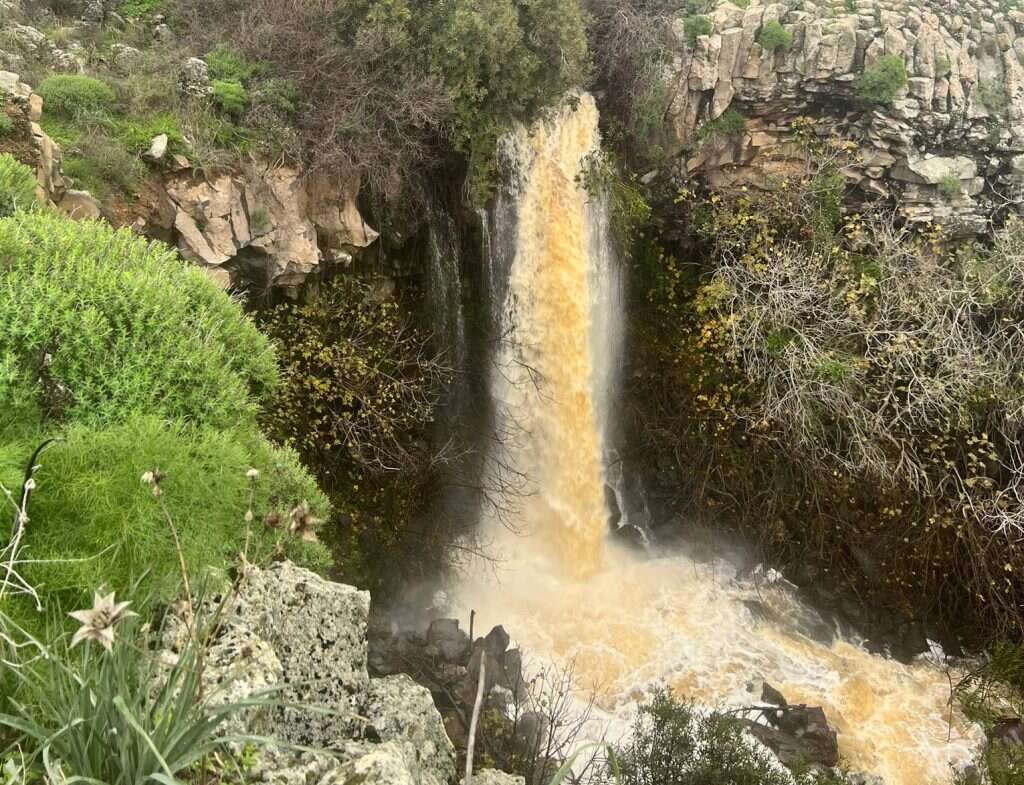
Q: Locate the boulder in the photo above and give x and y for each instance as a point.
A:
(157, 149)
(194, 80)
(495, 777)
(81, 205)
(402, 713)
(797, 735)
(318, 632)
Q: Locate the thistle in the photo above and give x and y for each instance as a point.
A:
(301, 523)
(99, 621)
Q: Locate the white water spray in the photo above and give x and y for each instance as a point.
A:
(630, 623)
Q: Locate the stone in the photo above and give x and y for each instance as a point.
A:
(798, 735)
(403, 713)
(450, 642)
(318, 631)
(194, 80)
(495, 777)
(771, 695)
(124, 58)
(80, 205)
(1009, 731)
(157, 149)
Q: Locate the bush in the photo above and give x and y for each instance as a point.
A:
(136, 133)
(71, 95)
(880, 83)
(101, 324)
(694, 27)
(774, 36)
(92, 515)
(726, 126)
(17, 186)
(674, 743)
(228, 65)
(950, 187)
(6, 124)
(230, 97)
(101, 164)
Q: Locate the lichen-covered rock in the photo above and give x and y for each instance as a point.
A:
(495, 777)
(403, 712)
(194, 80)
(379, 764)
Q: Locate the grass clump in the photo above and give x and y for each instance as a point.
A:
(17, 186)
(881, 82)
(694, 27)
(950, 186)
(726, 126)
(230, 97)
(72, 95)
(774, 36)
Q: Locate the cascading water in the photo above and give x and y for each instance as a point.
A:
(627, 622)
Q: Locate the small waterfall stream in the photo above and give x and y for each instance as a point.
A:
(564, 591)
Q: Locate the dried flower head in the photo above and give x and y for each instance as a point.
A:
(153, 478)
(301, 522)
(253, 474)
(99, 621)
(272, 520)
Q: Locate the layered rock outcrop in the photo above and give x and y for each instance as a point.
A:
(948, 148)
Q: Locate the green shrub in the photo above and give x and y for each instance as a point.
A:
(774, 36)
(17, 186)
(100, 324)
(71, 95)
(229, 65)
(131, 9)
(230, 97)
(100, 163)
(727, 125)
(674, 743)
(6, 124)
(136, 133)
(942, 66)
(880, 83)
(949, 186)
(90, 509)
(694, 27)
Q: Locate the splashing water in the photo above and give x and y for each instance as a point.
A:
(629, 623)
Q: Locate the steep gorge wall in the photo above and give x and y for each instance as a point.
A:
(960, 115)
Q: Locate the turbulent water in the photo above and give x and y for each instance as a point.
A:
(567, 595)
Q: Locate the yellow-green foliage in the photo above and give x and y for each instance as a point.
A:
(774, 36)
(71, 95)
(880, 82)
(135, 362)
(17, 186)
(91, 512)
(101, 324)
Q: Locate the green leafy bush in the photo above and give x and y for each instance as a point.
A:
(674, 743)
(136, 133)
(17, 186)
(880, 83)
(696, 26)
(131, 9)
(101, 324)
(230, 97)
(6, 124)
(774, 36)
(70, 95)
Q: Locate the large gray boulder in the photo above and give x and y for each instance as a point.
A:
(317, 629)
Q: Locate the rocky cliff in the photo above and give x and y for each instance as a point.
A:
(958, 119)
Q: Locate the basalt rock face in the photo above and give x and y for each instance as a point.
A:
(948, 148)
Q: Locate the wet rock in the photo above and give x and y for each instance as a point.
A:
(771, 695)
(1008, 730)
(798, 735)
(450, 643)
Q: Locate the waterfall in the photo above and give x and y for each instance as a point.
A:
(630, 622)
(558, 341)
